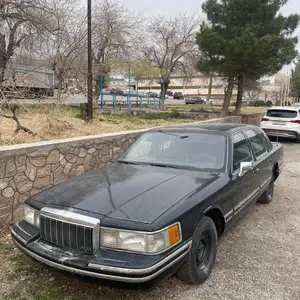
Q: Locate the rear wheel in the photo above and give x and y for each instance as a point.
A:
(267, 196)
(202, 255)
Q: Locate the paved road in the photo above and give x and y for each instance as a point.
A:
(80, 98)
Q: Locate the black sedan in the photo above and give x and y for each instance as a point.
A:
(156, 211)
(195, 100)
(178, 96)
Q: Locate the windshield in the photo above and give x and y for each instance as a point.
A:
(282, 113)
(181, 149)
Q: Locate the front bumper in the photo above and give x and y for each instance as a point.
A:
(105, 264)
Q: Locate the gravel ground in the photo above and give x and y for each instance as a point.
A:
(258, 258)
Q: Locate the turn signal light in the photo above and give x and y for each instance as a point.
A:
(174, 234)
(295, 121)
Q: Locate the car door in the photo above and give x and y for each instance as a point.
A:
(263, 162)
(246, 187)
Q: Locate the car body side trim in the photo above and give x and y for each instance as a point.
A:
(245, 201)
(99, 275)
(228, 216)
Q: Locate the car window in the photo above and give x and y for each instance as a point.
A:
(184, 149)
(241, 150)
(256, 142)
(265, 138)
(282, 113)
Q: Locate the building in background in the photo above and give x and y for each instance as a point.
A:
(276, 88)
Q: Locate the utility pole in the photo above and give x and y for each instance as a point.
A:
(90, 75)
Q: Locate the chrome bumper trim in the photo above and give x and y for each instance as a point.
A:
(124, 271)
(127, 271)
(18, 237)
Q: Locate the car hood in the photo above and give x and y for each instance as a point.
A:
(130, 192)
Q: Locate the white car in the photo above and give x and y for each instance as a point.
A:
(283, 121)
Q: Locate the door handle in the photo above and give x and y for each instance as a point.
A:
(256, 170)
(270, 159)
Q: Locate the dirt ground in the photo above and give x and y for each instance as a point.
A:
(258, 259)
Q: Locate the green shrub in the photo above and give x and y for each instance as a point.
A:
(261, 103)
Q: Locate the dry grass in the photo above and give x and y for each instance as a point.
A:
(51, 122)
(216, 109)
(57, 122)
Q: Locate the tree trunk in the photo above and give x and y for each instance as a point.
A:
(59, 88)
(209, 86)
(240, 92)
(3, 60)
(163, 89)
(227, 96)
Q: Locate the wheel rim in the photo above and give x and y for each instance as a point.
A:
(203, 251)
(269, 191)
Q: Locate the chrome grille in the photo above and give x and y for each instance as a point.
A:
(57, 229)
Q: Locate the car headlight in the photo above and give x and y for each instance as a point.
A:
(32, 216)
(141, 242)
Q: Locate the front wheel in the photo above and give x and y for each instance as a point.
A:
(202, 255)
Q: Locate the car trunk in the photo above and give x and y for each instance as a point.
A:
(286, 120)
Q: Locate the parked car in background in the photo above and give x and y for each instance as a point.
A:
(116, 91)
(195, 100)
(169, 93)
(282, 122)
(166, 96)
(158, 210)
(178, 95)
(151, 95)
(130, 93)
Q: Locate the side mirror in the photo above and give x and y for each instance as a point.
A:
(245, 167)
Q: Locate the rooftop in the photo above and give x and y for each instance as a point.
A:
(225, 127)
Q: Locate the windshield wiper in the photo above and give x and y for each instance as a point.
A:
(168, 133)
(167, 166)
(127, 162)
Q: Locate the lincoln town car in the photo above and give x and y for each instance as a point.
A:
(158, 210)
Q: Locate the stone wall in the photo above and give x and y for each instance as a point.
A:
(252, 118)
(27, 169)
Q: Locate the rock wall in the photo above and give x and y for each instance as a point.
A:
(27, 169)
(252, 118)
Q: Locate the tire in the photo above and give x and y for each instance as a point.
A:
(267, 196)
(196, 270)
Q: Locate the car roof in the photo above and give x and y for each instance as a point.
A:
(212, 127)
(284, 107)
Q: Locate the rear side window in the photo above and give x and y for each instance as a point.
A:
(282, 113)
(256, 142)
(265, 138)
(241, 150)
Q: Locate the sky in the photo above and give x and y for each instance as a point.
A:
(171, 7)
(175, 7)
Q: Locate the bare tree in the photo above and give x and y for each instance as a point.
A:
(171, 46)
(117, 32)
(21, 21)
(67, 43)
